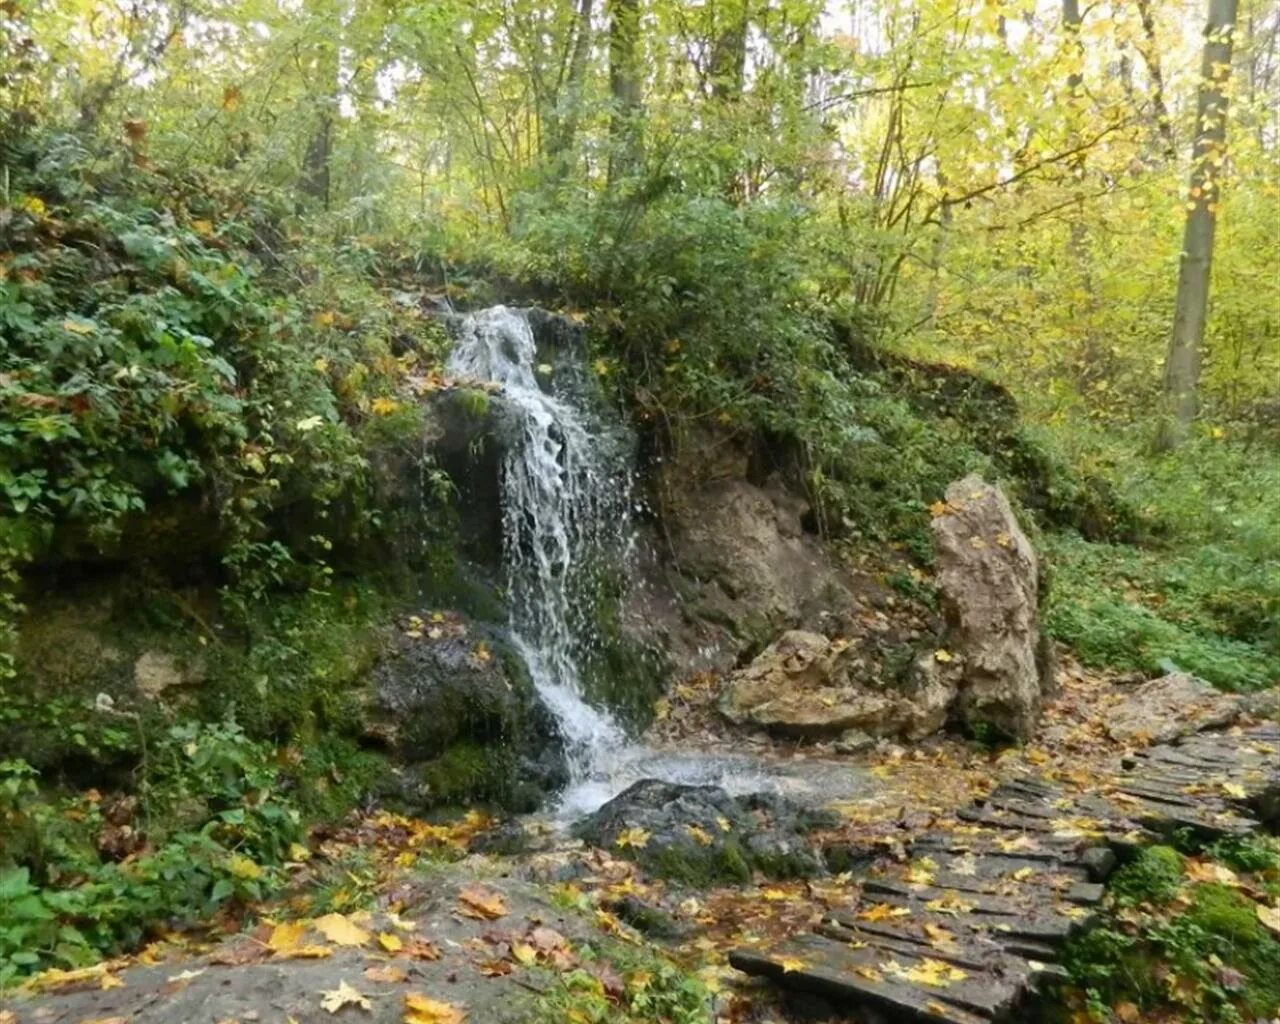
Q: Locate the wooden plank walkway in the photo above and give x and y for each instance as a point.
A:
(968, 930)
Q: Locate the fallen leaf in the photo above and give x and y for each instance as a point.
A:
(1269, 916)
(341, 930)
(883, 912)
(387, 973)
(391, 943)
(344, 995)
(637, 838)
(422, 949)
(791, 963)
(1234, 790)
(482, 904)
(418, 1009)
(287, 935)
(186, 975)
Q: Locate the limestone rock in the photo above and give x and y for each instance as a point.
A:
(701, 834)
(987, 579)
(1174, 705)
(155, 672)
(804, 684)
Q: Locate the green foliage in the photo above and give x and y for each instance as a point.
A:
(1154, 877)
(653, 990)
(217, 826)
(1196, 950)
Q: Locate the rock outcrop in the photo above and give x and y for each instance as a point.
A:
(988, 585)
(804, 684)
(455, 706)
(700, 834)
(1174, 705)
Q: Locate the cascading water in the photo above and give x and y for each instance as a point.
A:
(565, 493)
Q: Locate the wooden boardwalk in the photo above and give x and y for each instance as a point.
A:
(973, 925)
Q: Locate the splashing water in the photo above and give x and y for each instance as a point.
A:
(565, 493)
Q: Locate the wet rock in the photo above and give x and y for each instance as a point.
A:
(804, 684)
(854, 741)
(987, 579)
(699, 835)
(451, 700)
(1174, 705)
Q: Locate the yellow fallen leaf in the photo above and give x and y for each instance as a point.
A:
(77, 327)
(870, 973)
(882, 912)
(341, 930)
(775, 895)
(1269, 917)
(791, 963)
(524, 953)
(938, 936)
(287, 936)
(344, 995)
(698, 835)
(391, 943)
(943, 655)
(418, 1009)
(1234, 790)
(637, 838)
(949, 904)
(935, 973)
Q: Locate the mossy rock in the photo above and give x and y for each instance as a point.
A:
(452, 698)
(700, 836)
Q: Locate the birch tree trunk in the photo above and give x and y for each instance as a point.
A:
(1208, 160)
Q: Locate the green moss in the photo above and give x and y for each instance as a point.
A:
(700, 867)
(469, 772)
(1153, 878)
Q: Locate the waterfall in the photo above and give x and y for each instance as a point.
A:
(565, 501)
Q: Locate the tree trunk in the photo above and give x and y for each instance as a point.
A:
(564, 121)
(624, 88)
(1208, 159)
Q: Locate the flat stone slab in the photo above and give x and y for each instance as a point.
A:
(966, 931)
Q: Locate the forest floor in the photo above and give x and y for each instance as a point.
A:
(435, 934)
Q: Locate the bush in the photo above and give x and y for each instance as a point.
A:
(216, 827)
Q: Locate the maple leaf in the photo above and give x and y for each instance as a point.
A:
(1234, 790)
(791, 963)
(870, 973)
(341, 930)
(418, 1009)
(938, 936)
(335, 999)
(935, 973)
(287, 936)
(943, 655)
(698, 835)
(635, 837)
(480, 903)
(883, 912)
(949, 904)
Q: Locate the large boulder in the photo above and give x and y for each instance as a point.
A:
(453, 703)
(700, 835)
(988, 580)
(1177, 704)
(804, 684)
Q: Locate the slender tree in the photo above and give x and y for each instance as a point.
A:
(1208, 160)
